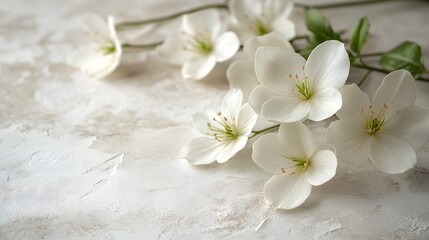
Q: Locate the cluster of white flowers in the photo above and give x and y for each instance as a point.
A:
(277, 85)
(285, 88)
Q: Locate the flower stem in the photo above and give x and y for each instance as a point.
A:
(341, 4)
(376, 54)
(365, 77)
(152, 45)
(255, 133)
(171, 16)
(225, 6)
(375, 69)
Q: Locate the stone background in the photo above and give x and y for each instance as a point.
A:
(98, 159)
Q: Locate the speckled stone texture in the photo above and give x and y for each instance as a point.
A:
(98, 159)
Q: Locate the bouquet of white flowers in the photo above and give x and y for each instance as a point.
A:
(284, 82)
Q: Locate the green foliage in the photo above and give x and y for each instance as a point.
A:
(408, 55)
(320, 26)
(359, 35)
(321, 30)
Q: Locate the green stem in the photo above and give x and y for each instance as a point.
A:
(255, 133)
(341, 4)
(152, 45)
(365, 77)
(375, 69)
(171, 16)
(376, 54)
(225, 6)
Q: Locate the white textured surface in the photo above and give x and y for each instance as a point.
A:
(84, 158)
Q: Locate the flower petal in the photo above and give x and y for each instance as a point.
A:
(285, 109)
(297, 140)
(324, 104)
(286, 191)
(231, 103)
(202, 150)
(355, 105)
(225, 46)
(241, 74)
(410, 124)
(274, 66)
(285, 27)
(173, 51)
(273, 39)
(269, 154)
(231, 148)
(351, 142)
(244, 32)
(200, 121)
(258, 97)
(114, 35)
(245, 11)
(101, 65)
(277, 9)
(328, 65)
(246, 120)
(82, 55)
(96, 26)
(322, 168)
(203, 22)
(397, 90)
(198, 67)
(391, 154)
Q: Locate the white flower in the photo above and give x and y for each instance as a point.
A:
(103, 54)
(386, 129)
(294, 89)
(226, 132)
(252, 18)
(201, 43)
(241, 73)
(297, 162)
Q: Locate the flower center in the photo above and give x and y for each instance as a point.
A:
(375, 122)
(261, 28)
(302, 84)
(107, 48)
(222, 128)
(201, 42)
(301, 164)
(374, 125)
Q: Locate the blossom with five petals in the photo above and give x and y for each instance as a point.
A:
(387, 130)
(201, 43)
(252, 18)
(241, 73)
(293, 89)
(103, 54)
(226, 132)
(297, 163)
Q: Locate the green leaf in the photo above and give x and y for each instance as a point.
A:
(359, 35)
(408, 55)
(320, 26)
(352, 58)
(306, 52)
